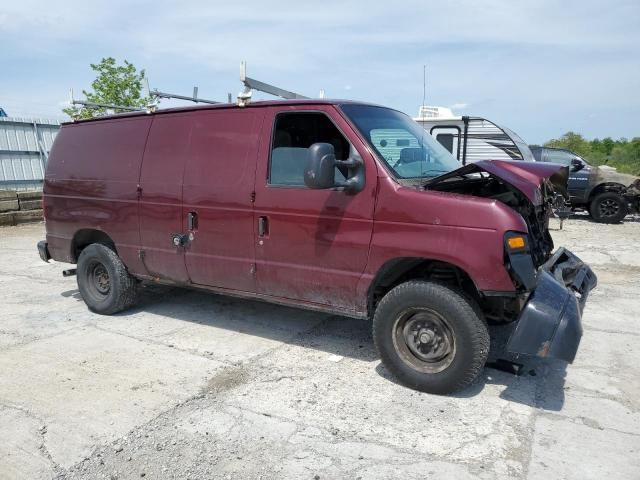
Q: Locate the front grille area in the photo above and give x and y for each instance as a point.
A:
(541, 241)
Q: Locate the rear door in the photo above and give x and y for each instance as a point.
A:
(311, 245)
(218, 197)
(160, 191)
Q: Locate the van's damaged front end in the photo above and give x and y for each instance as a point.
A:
(550, 324)
(551, 288)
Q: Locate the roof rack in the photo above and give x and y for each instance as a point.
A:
(194, 98)
(156, 95)
(244, 97)
(250, 84)
(103, 105)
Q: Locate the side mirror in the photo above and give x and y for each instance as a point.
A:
(320, 169)
(576, 165)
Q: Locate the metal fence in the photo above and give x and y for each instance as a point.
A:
(24, 148)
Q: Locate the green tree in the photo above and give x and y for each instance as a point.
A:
(114, 85)
(608, 144)
(571, 141)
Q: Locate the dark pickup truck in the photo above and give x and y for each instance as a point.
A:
(606, 194)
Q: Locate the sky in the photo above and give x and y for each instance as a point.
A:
(541, 67)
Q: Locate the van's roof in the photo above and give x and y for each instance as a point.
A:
(208, 106)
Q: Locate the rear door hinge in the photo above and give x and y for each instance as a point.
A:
(253, 197)
(139, 191)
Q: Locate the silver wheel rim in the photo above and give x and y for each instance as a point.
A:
(100, 279)
(424, 340)
(608, 207)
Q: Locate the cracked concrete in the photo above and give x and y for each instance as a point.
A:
(192, 385)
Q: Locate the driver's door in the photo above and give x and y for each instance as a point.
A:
(311, 245)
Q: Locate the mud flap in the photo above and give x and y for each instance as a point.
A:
(550, 324)
(43, 251)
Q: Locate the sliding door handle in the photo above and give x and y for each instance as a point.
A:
(263, 226)
(192, 221)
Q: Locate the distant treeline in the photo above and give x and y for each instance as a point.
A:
(623, 154)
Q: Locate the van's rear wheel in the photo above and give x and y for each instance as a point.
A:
(104, 283)
(430, 337)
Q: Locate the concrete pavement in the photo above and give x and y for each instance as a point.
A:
(194, 385)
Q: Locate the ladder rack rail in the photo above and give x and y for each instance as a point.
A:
(253, 84)
(194, 98)
(104, 105)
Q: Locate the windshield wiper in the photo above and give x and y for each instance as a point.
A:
(461, 172)
(444, 174)
(437, 174)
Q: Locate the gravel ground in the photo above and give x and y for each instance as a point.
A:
(193, 385)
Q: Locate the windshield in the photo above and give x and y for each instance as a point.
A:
(403, 145)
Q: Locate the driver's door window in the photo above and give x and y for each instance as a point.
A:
(293, 134)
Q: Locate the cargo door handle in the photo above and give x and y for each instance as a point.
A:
(263, 226)
(192, 221)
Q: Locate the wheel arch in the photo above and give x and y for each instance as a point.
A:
(85, 237)
(401, 269)
(606, 187)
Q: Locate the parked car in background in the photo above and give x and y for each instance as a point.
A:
(605, 193)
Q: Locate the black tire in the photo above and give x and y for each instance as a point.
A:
(608, 207)
(104, 282)
(457, 340)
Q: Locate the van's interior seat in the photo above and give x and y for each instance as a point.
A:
(288, 161)
(287, 166)
(410, 155)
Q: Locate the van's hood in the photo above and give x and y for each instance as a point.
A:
(529, 188)
(527, 177)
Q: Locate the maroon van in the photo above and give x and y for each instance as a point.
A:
(340, 207)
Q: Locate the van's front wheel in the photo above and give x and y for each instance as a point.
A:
(430, 337)
(104, 283)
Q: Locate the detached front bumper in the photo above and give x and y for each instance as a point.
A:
(550, 324)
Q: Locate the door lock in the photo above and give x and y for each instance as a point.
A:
(179, 239)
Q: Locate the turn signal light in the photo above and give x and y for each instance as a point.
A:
(516, 242)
